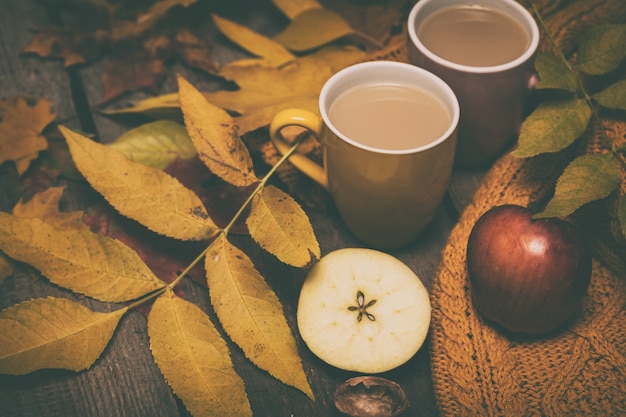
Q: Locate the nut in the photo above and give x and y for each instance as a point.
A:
(370, 396)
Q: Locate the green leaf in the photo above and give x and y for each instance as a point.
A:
(156, 144)
(613, 97)
(553, 126)
(53, 333)
(313, 28)
(78, 259)
(554, 73)
(602, 49)
(195, 359)
(587, 178)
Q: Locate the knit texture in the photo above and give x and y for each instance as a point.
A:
(479, 370)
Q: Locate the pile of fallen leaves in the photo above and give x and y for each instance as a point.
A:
(132, 247)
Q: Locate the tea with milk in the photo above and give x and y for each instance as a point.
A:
(473, 35)
(389, 116)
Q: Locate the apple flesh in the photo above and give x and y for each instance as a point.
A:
(363, 310)
(529, 275)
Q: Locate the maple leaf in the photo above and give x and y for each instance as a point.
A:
(20, 131)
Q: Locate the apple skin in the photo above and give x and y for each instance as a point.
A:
(529, 275)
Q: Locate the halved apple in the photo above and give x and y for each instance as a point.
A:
(363, 310)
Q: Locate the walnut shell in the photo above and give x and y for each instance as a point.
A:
(370, 396)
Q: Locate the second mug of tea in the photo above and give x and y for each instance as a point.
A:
(388, 133)
(484, 50)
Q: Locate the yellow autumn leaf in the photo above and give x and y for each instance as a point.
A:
(273, 53)
(194, 359)
(312, 29)
(279, 225)
(165, 106)
(45, 206)
(252, 315)
(264, 91)
(292, 8)
(145, 194)
(215, 136)
(20, 131)
(53, 333)
(78, 259)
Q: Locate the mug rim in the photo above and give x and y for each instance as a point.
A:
(528, 53)
(331, 84)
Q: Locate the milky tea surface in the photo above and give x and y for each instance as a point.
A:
(474, 35)
(389, 116)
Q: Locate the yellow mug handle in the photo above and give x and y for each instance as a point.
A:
(307, 120)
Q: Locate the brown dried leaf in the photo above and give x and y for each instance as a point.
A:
(280, 226)
(215, 136)
(252, 314)
(77, 259)
(53, 333)
(142, 193)
(20, 131)
(195, 359)
(57, 43)
(128, 70)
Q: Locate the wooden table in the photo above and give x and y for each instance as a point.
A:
(125, 380)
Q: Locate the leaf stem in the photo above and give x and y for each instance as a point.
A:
(579, 82)
(154, 294)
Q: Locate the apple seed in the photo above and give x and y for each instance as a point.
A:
(362, 307)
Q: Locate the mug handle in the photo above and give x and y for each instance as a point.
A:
(307, 120)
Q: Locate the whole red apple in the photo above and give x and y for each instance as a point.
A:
(529, 275)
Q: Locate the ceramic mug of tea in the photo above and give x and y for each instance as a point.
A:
(484, 50)
(388, 134)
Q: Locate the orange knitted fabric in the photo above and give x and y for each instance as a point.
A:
(581, 370)
(479, 371)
